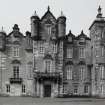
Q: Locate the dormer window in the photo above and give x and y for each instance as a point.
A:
(70, 39)
(49, 30)
(16, 51)
(82, 40)
(81, 52)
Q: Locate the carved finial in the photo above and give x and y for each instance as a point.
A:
(99, 9)
(69, 31)
(35, 13)
(82, 32)
(48, 8)
(99, 15)
(61, 13)
(2, 28)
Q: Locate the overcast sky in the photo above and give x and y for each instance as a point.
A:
(80, 13)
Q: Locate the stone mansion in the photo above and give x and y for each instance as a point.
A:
(48, 63)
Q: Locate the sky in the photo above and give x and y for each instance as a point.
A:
(79, 13)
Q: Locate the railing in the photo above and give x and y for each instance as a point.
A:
(16, 80)
(47, 74)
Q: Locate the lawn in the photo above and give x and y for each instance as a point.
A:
(50, 101)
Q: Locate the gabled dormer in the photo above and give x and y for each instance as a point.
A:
(48, 26)
(70, 37)
(82, 38)
(48, 17)
(15, 36)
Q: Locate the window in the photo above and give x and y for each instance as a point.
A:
(7, 88)
(82, 52)
(16, 51)
(69, 52)
(23, 88)
(97, 52)
(41, 48)
(70, 39)
(96, 72)
(54, 48)
(49, 30)
(102, 51)
(69, 72)
(29, 68)
(82, 40)
(82, 70)
(48, 64)
(86, 89)
(102, 72)
(3, 62)
(102, 89)
(16, 71)
(75, 89)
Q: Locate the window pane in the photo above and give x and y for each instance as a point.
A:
(82, 52)
(15, 51)
(69, 72)
(69, 52)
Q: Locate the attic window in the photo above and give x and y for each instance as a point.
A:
(82, 40)
(70, 39)
(49, 30)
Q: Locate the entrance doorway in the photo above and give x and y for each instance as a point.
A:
(47, 90)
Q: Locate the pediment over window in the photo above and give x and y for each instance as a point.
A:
(16, 62)
(16, 43)
(70, 36)
(69, 63)
(48, 56)
(48, 21)
(82, 63)
(29, 63)
(82, 37)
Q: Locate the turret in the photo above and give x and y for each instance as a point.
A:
(2, 40)
(98, 26)
(97, 34)
(35, 25)
(61, 21)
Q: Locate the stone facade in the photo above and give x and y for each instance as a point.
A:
(47, 63)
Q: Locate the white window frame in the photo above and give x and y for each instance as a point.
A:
(16, 51)
(86, 89)
(16, 71)
(102, 89)
(102, 51)
(82, 73)
(69, 72)
(102, 71)
(69, 52)
(81, 52)
(48, 65)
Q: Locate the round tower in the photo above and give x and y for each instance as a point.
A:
(34, 25)
(61, 21)
(2, 39)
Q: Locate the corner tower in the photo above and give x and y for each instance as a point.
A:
(61, 21)
(2, 40)
(97, 34)
(34, 25)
